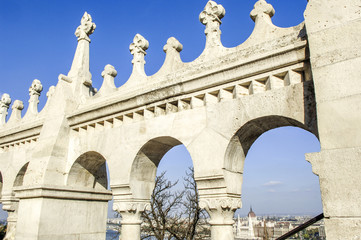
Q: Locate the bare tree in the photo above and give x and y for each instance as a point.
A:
(175, 214)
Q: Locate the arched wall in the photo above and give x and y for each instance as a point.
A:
(242, 141)
(19, 179)
(144, 167)
(88, 170)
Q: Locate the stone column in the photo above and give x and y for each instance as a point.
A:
(334, 44)
(221, 211)
(131, 213)
(10, 204)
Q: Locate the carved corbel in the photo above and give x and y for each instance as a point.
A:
(17, 107)
(137, 49)
(108, 75)
(262, 11)
(34, 93)
(4, 106)
(211, 17)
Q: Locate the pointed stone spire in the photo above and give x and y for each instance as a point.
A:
(262, 11)
(17, 107)
(108, 85)
(34, 93)
(4, 106)
(211, 17)
(79, 74)
(137, 49)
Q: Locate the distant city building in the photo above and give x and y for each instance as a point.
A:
(259, 228)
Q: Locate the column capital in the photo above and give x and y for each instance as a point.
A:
(131, 211)
(221, 210)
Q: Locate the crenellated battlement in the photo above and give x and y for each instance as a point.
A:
(266, 41)
(271, 58)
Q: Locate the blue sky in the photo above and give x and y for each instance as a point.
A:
(38, 42)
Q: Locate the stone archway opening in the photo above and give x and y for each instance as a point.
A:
(19, 179)
(145, 165)
(277, 180)
(89, 171)
(88, 179)
(160, 161)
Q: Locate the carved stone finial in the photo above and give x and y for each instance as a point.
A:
(108, 74)
(137, 49)
(17, 107)
(5, 101)
(109, 70)
(34, 92)
(85, 28)
(211, 17)
(173, 43)
(4, 106)
(262, 9)
(36, 88)
(139, 45)
(51, 91)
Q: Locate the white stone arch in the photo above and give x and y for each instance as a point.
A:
(19, 179)
(144, 167)
(88, 171)
(242, 140)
